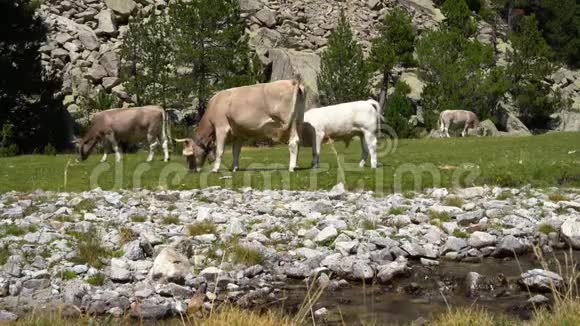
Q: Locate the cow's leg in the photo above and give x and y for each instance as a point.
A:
(115, 146)
(236, 150)
(447, 129)
(365, 151)
(106, 149)
(371, 142)
(293, 146)
(219, 149)
(316, 146)
(153, 142)
(464, 132)
(165, 146)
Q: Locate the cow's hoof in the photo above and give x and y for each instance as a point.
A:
(214, 171)
(235, 170)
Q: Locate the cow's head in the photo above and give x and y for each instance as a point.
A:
(85, 146)
(195, 154)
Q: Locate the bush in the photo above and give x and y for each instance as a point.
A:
(97, 279)
(49, 150)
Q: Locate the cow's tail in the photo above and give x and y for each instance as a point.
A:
(166, 128)
(298, 103)
(379, 116)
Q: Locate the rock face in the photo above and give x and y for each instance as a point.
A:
(288, 63)
(508, 120)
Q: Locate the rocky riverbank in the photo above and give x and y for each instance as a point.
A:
(158, 254)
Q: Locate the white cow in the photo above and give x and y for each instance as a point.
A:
(342, 122)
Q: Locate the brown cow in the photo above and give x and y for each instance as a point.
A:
(272, 111)
(128, 125)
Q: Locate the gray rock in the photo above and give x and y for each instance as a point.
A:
(134, 251)
(326, 235)
(120, 271)
(540, 280)
(510, 246)
(110, 82)
(7, 316)
(110, 61)
(387, 272)
(96, 73)
(361, 270)
(89, 40)
(468, 218)
(250, 6)
(267, 17)
(170, 266)
(287, 63)
(74, 291)
(337, 192)
(346, 247)
(13, 213)
(571, 233)
(107, 23)
(13, 266)
(472, 281)
(481, 239)
(150, 310)
(488, 128)
(123, 8)
(472, 192)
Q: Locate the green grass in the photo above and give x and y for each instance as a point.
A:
(204, 227)
(117, 253)
(397, 210)
(4, 254)
(127, 234)
(368, 224)
(64, 218)
(68, 275)
(556, 197)
(15, 230)
(541, 161)
(170, 220)
(460, 234)
(97, 279)
(454, 201)
(246, 256)
(138, 218)
(546, 229)
(89, 249)
(86, 205)
(441, 216)
(506, 194)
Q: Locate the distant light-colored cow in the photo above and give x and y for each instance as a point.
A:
(449, 117)
(131, 125)
(264, 111)
(343, 122)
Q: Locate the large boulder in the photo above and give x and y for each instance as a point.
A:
(123, 8)
(170, 266)
(250, 6)
(571, 233)
(508, 120)
(267, 17)
(110, 61)
(107, 24)
(566, 121)
(487, 128)
(540, 280)
(288, 63)
(429, 15)
(89, 40)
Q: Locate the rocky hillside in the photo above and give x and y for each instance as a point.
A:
(85, 36)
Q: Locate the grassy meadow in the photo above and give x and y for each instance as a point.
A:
(413, 164)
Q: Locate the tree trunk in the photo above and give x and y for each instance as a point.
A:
(384, 90)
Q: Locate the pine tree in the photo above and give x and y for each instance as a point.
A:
(399, 109)
(148, 61)
(459, 74)
(188, 54)
(459, 17)
(394, 45)
(344, 75)
(529, 65)
(211, 48)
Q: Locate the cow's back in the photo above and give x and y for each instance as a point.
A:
(131, 124)
(343, 118)
(261, 110)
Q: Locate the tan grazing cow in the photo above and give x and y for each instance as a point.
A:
(264, 111)
(448, 117)
(128, 125)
